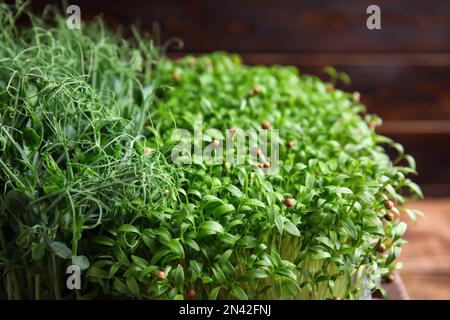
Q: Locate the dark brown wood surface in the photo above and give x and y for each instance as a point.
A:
(396, 289)
(402, 71)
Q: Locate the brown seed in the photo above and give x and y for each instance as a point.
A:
(192, 62)
(389, 216)
(267, 165)
(290, 144)
(251, 93)
(289, 202)
(191, 294)
(389, 278)
(381, 248)
(176, 75)
(161, 275)
(389, 204)
(261, 165)
(165, 192)
(266, 125)
(337, 298)
(215, 143)
(258, 152)
(257, 89)
(329, 87)
(233, 130)
(356, 96)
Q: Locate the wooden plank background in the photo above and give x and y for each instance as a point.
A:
(426, 256)
(402, 71)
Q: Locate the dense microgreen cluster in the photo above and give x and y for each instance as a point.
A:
(87, 178)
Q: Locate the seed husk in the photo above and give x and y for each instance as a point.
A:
(216, 143)
(191, 294)
(165, 192)
(290, 144)
(372, 125)
(176, 75)
(389, 216)
(389, 204)
(161, 275)
(356, 96)
(381, 248)
(266, 125)
(192, 62)
(389, 278)
(329, 87)
(289, 202)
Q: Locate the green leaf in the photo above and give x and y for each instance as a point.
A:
(179, 278)
(400, 229)
(103, 240)
(414, 188)
(121, 287)
(133, 286)
(321, 255)
(121, 256)
(257, 274)
(129, 228)
(31, 138)
(225, 256)
(81, 261)
(213, 293)
(209, 200)
(206, 279)
(411, 161)
(291, 228)
(59, 248)
(344, 77)
(234, 223)
(17, 202)
(350, 229)
(224, 208)
(191, 243)
(340, 190)
(141, 263)
(234, 190)
(310, 179)
(326, 241)
(210, 227)
(239, 293)
(176, 248)
(253, 202)
(38, 251)
(97, 273)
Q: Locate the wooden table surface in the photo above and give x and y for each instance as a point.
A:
(426, 256)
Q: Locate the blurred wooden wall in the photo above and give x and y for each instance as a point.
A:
(402, 71)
